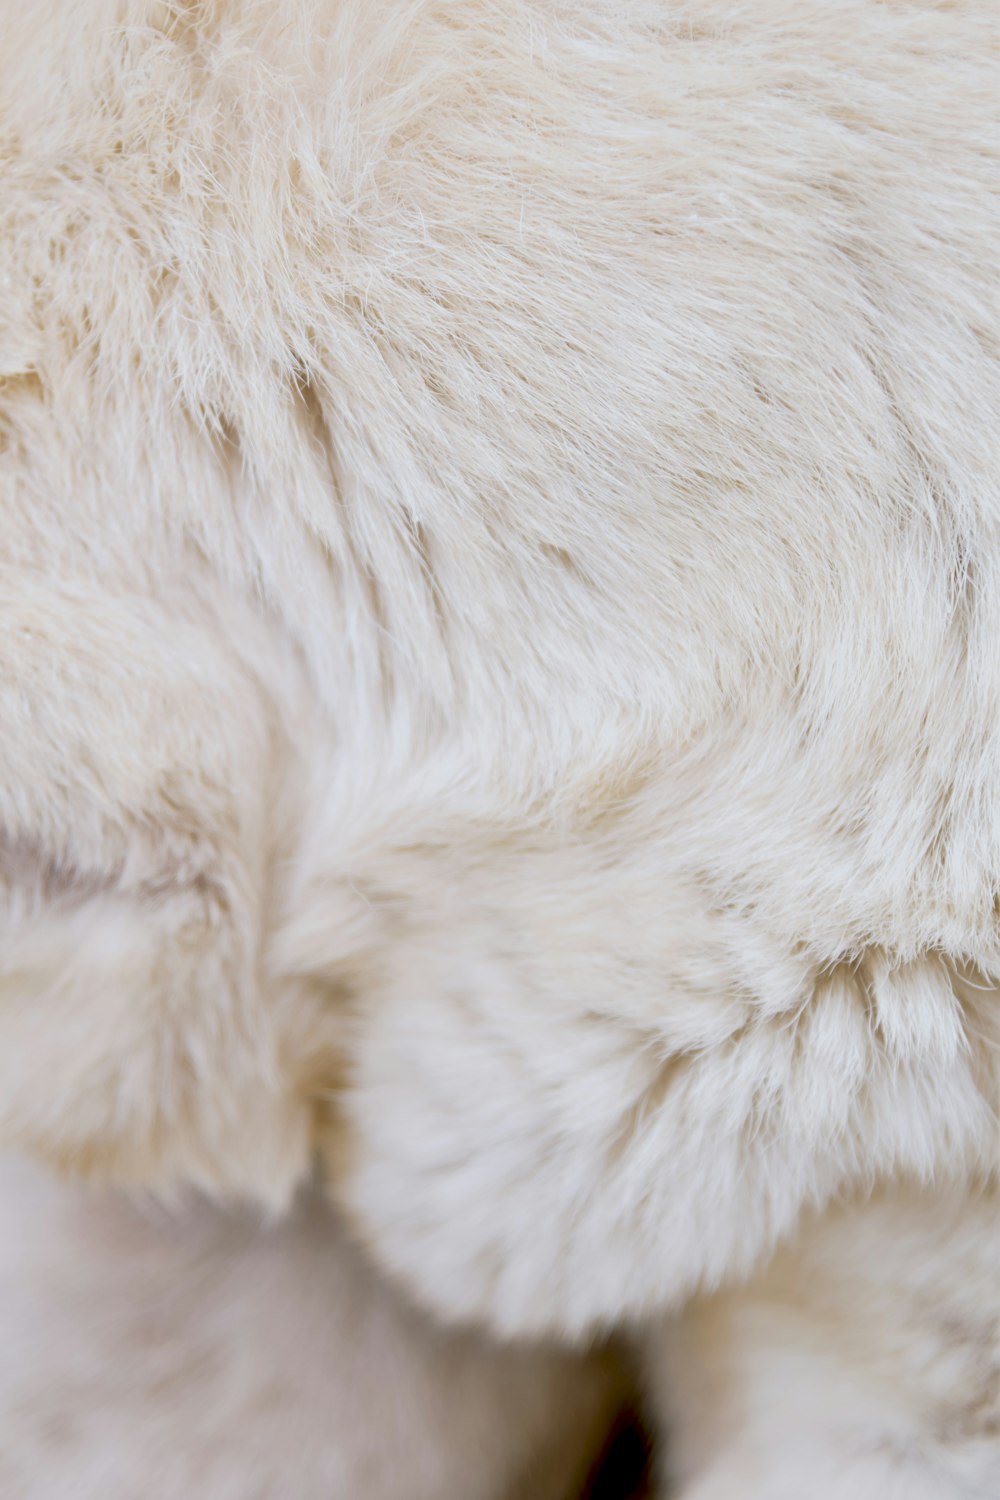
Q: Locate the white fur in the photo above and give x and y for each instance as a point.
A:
(501, 591)
(195, 1354)
(864, 1364)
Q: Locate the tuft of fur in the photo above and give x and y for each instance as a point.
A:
(499, 594)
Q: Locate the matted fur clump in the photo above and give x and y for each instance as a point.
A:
(501, 692)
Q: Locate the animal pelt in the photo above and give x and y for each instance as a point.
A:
(863, 1364)
(149, 1356)
(500, 584)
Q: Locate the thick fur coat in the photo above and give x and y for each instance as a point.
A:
(500, 585)
(153, 1357)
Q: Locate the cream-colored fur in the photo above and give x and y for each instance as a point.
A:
(153, 1357)
(499, 617)
(864, 1364)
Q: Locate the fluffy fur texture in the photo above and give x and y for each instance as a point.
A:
(207, 1356)
(864, 1364)
(500, 599)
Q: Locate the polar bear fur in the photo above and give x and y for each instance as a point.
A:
(500, 610)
